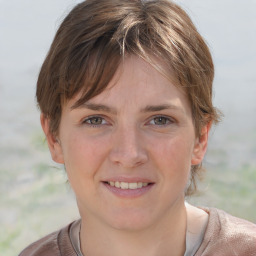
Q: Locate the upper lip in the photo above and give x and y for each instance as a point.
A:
(129, 179)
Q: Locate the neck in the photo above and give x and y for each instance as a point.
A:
(167, 237)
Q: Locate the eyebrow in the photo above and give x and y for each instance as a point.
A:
(156, 108)
(97, 107)
(149, 108)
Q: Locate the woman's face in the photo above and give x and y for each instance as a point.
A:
(128, 151)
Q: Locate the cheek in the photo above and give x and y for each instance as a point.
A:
(174, 157)
(83, 155)
(172, 161)
(83, 159)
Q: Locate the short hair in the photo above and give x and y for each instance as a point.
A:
(96, 36)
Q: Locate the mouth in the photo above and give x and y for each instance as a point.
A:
(128, 189)
(127, 185)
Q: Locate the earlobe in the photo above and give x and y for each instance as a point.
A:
(201, 145)
(53, 142)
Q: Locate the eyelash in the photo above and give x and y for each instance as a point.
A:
(166, 119)
(89, 119)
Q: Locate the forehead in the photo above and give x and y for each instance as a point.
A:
(136, 82)
(135, 76)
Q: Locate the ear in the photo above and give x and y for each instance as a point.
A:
(53, 143)
(200, 146)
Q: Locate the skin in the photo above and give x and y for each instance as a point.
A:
(139, 129)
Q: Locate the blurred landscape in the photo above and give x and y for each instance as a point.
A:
(35, 198)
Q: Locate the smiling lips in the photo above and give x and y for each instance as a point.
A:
(127, 185)
(128, 188)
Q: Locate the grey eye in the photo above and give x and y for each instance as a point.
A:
(161, 120)
(95, 120)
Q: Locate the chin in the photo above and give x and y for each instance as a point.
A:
(131, 221)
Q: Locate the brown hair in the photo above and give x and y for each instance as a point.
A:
(95, 37)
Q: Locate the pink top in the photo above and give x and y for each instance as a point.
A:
(225, 235)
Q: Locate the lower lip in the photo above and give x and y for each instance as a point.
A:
(128, 193)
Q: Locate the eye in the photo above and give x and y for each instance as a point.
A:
(94, 121)
(160, 120)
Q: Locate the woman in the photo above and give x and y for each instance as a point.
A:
(126, 105)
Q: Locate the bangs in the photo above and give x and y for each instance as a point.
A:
(95, 72)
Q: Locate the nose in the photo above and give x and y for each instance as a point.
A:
(128, 149)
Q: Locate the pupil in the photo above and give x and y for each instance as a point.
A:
(96, 120)
(160, 120)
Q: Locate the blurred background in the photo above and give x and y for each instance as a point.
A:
(35, 198)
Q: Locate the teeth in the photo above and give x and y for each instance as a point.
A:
(133, 185)
(126, 185)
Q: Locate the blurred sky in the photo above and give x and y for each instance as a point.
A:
(229, 27)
